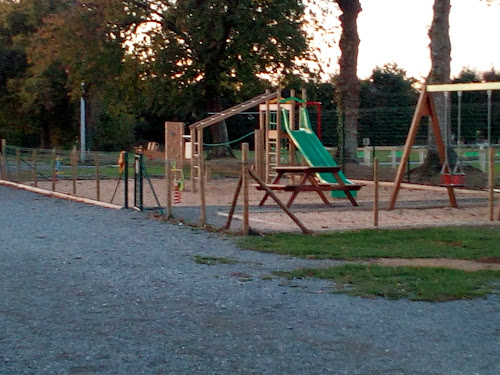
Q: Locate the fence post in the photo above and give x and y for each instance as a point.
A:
(18, 164)
(97, 180)
(168, 182)
(201, 175)
(74, 162)
(3, 169)
(54, 172)
(375, 192)
(491, 183)
(125, 181)
(35, 168)
(244, 176)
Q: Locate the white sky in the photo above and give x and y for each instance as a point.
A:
(396, 31)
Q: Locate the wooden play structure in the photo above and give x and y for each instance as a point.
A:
(451, 177)
(282, 130)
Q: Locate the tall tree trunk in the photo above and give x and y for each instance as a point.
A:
(440, 48)
(213, 104)
(347, 90)
(218, 131)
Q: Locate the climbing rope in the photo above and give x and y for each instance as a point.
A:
(228, 143)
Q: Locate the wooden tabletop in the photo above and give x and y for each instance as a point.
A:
(305, 168)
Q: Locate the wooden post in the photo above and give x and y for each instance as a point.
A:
(259, 152)
(201, 180)
(54, 172)
(74, 163)
(194, 150)
(491, 183)
(268, 141)
(280, 203)
(18, 163)
(244, 176)
(233, 203)
(125, 181)
(97, 177)
(293, 126)
(168, 182)
(3, 169)
(35, 168)
(375, 192)
(425, 107)
(278, 128)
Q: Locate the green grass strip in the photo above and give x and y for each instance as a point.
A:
(414, 283)
(459, 243)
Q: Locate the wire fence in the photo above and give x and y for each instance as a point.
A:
(65, 171)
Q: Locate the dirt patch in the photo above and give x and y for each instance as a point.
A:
(466, 265)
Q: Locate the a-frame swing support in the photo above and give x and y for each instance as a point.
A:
(425, 107)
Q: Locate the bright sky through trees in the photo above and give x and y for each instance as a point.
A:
(396, 31)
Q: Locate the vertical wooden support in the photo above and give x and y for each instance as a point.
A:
(54, 172)
(168, 187)
(268, 141)
(35, 167)
(304, 105)
(375, 192)
(18, 164)
(201, 180)
(293, 126)
(259, 152)
(194, 150)
(244, 175)
(491, 183)
(125, 180)
(74, 164)
(3, 168)
(97, 177)
(278, 128)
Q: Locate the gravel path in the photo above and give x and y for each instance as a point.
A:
(87, 290)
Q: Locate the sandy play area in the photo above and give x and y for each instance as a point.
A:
(417, 205)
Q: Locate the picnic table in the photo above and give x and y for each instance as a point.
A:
(308, 182)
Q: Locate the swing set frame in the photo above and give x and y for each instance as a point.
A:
(426, 107)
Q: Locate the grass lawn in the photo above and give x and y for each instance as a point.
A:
(418, 284)
(458, 243)
(415, 283)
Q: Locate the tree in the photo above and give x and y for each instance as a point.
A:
(347, 85)
(440, 51)
(203, 51)
(25, 110)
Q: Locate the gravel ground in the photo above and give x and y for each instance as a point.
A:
(87, 290)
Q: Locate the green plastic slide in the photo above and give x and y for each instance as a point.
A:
(313, 150)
